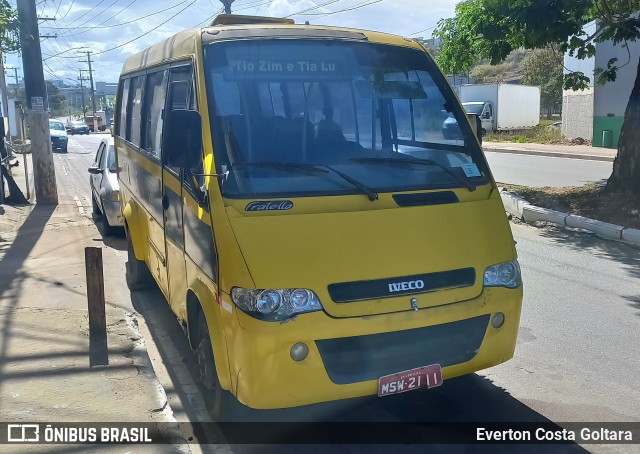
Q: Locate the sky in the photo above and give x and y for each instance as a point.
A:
(114, 29)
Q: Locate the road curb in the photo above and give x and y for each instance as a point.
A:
(518, 207)
(554, 154)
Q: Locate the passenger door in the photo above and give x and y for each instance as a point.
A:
(179, 96)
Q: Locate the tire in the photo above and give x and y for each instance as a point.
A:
(137, 273)
(95, 207)
(222, 405)
(107, 229)
(65, 149)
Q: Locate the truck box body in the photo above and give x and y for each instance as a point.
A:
(515, 106)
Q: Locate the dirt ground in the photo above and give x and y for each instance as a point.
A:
(589, 200)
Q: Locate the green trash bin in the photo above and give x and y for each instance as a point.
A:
(607, 138)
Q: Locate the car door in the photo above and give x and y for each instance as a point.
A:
(487, 117)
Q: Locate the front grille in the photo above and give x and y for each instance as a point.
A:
(57, 141)
(344, 292)
(369, 357)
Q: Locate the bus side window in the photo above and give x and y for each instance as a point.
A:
(182, 96)
(134, 110)
(155, 93)
(177, 97)
(123, 96)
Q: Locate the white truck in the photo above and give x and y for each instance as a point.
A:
(502, 107)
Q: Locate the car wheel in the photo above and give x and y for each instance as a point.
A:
(95, 206)
(222, 405)
(107, 229)
(65, 149)
(137, 274)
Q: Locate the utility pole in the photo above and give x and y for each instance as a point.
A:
(44, 172)
(81, 79)
(227, 5)
(15, 76)
(93, 95)
(3, 87)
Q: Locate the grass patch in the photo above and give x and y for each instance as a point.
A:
(543, 133)
(589, 200)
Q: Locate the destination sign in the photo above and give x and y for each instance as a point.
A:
(267, 67)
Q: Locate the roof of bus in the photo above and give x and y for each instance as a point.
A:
(185, 43)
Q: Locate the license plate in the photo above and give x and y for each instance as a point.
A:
(401, 382)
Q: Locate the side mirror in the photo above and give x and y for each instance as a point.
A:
(476, 125)
(183, 138)
(95, 170)
(486, 115)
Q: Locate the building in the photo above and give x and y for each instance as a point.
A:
(596, 114)
(106, 93)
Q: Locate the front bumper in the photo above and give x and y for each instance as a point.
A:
(347, 356)
(59, 143)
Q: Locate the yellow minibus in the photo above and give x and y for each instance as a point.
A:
(294, 194)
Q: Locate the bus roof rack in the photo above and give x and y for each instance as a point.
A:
(238, 19)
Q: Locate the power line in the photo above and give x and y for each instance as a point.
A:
(147, 32)
(57, 9)
(108, 19)
(101, 12)
(420, 31)
(101, 26)
(351, 8)
(70, 6)
(86, 12)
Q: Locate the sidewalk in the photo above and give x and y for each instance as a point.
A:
(559, 151)
(44, 344)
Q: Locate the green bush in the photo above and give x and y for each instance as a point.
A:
(542, 133)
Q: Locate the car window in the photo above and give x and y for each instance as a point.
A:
(57, 125)
(98, 160)
(111, 159)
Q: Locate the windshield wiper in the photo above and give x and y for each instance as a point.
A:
(294, 166)
(425, 162)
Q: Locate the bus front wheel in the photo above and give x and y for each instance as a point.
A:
(222, 405)
(137, 273)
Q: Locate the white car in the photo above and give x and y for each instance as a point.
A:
(105, 194)
(58, 133)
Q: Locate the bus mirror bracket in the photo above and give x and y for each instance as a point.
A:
(183, 138)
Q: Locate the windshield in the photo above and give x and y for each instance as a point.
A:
(473, 108)
(328, 104)
(57, 125)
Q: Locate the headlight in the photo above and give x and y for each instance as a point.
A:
(275, 304)
(114, 195)
(506, 274)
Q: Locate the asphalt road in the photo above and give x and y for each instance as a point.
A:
(576, 358)
(546, 171)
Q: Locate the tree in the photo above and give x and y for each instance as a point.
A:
(544, 68)
(457, 53)
(9, 36)
(56, 100)
(493, 28)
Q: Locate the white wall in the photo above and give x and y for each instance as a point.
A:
(577, 114)
(585, 66)
(612, 98)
